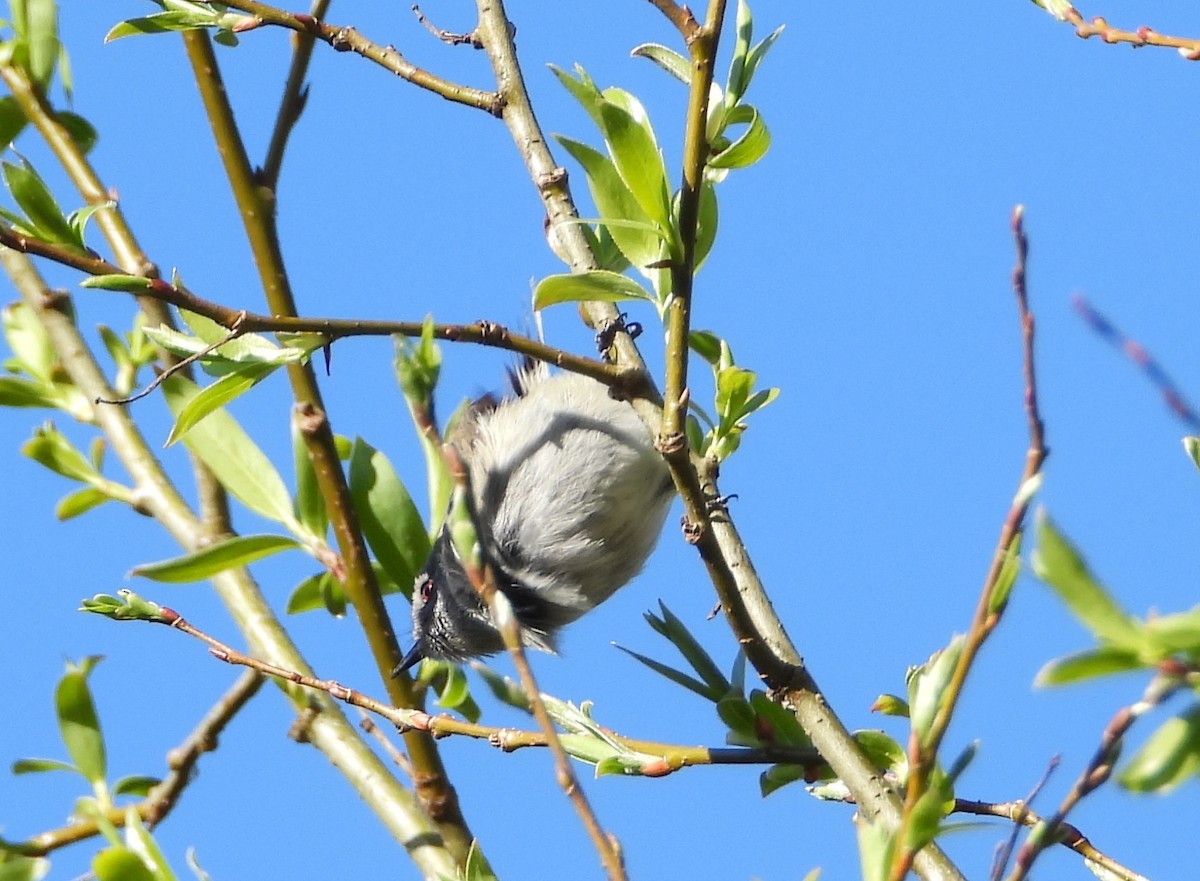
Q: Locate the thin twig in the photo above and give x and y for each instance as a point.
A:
(433, 785)
(1138, 354)
(1188, 48)
(1098, 771)
(232, 334)
(923, 745)
(471, 38)
(295, 96)
(1019, 817)
(681, 17)
(165, 794)
(1069, 836)
(347, 39)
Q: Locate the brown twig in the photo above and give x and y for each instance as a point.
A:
(347, 39)
(681, 17)
(1018, 818)
(1096, 774)
(232, 334)
(165, 794)
(1018, 812)
(1143, 36)
(923, 745)
(471, 38)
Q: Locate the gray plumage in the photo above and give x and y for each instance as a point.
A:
(570, 497)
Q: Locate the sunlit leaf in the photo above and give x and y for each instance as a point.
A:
(1170, 757)
(78, 723)
(389, 519)
(241, 550)
(1089, 664)
(668, 59)
(581, 287)
(217, 395)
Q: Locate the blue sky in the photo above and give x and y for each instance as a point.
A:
(863, 267)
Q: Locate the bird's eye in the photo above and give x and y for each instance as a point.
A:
(425, 588)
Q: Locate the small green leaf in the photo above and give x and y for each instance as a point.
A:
(120, 864)
(12, 121)
(737, 714)
(1088, 664)
(1058, 564)
(582, 89)
(38, 766)
(596, 284)
(890, 705)
(42, 38)
(883, 751)
(241, 550)
(706, 222)
(161, 23)
(135, 785)
(17, 392)
(79, 502)
(750, 146)
(217, 395)
(757, 54)
(1191, 446)
(233, 457)
(706, 344)
(309, 503)
(35, 199)
(455, 691)
(389, 519)
(777, 725)
(82, 132)
(20, 868)
(927, 686)
(668, 59)
(743, 31)
(674, 675)
(125, 606)
(50, 448)
(674, 630)
(778, 776)
(126, 283)
(1170, 757)
(79, 725)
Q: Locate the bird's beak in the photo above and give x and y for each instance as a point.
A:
(414, 656)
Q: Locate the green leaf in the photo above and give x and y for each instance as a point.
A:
(582, 89)
(1191, 446)
(29, 343)
(1007, 577)
(309, 503)
(631, 228)
(737, 714)
(138, 785)
(1058, 564)
(38, 766)
(778, 776)
(233, 457)
(1170, 757)
(42, 38)
(596, 284)
(706, 344)
(1180, 632)
(634, 150)
(12, 121)
(777, 725)
(17, 392)
(674, 630)
(674, 675)
(50, 448)
(80, 502)
(750, 146)
(1088, 664)
(120, 864)
(890, 705)
(82, 132)
(387, 515)
(883, 751)
(35, 199)
(241, 550)
(927, 686)
(668, 59)
(161, 23)
(757, 54)
(126, 283)
(20, 868)
(217, 395)
(706, 225)
(743, 31)
(78, 723)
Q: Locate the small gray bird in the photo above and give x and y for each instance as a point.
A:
(570, 497)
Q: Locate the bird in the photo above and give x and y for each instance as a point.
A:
(569, 497)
